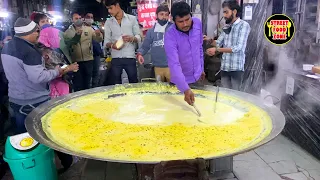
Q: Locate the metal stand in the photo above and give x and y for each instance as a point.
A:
(219, 169)
(221, 166)
(101, 170)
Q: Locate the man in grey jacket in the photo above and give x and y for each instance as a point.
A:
(155, 40)
(28, 79)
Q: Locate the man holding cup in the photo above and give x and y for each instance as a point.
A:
(122, 33)
(79, 38)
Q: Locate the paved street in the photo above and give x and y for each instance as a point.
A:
(277, 160)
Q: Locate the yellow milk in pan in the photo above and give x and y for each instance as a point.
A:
(155, 127)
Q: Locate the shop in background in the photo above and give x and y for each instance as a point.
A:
(147, 12)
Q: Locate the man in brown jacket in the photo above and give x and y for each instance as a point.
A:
(81, 50)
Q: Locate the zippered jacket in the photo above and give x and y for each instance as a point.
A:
(155, 41)
(28, 78)
(82, 49)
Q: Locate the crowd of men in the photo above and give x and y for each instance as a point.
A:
(33, 61)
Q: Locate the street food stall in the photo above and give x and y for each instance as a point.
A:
(300, 85)
(300, 105)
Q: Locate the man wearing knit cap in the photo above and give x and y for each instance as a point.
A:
(28, 79)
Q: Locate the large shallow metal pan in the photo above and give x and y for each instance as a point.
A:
(34, 125)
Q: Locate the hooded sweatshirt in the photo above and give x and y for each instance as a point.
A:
(154, 40)
(50, 37)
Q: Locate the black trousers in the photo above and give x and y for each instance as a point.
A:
(96, 71)
(127, 64)
(82, 78)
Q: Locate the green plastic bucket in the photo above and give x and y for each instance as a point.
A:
(36, 163)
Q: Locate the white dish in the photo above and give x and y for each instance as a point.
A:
(313, 76)
(307, 67)
(22, 142)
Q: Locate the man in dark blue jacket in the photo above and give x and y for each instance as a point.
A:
(27, 77)
(3, 94)
(3, 90)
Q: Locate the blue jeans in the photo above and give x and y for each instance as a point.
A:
(231, 80)
(21, 113)
(127, 64)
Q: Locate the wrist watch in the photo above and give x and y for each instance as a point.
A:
(217, 50)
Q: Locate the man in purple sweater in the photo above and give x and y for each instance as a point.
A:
(183, 46)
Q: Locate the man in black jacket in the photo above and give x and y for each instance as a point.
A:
(3, 110)
(4, 114)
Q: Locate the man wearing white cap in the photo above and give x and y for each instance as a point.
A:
(28, 79)
(23, 66)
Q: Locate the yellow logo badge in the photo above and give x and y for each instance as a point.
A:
(279, 29)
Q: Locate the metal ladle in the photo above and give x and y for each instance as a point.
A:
(195, 107)
(215, 103)
(198, 112)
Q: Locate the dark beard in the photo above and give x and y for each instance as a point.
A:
(229, 20)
